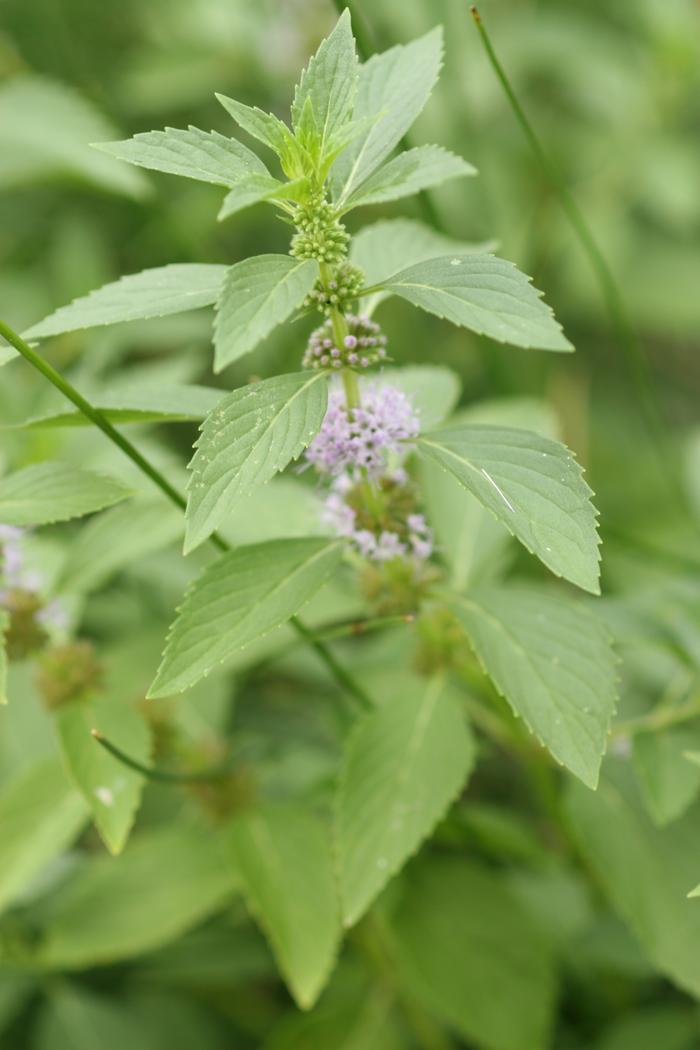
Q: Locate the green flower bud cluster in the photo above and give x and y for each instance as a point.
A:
(26, 633)
(319, 234)
(338, 293)
(68, 673)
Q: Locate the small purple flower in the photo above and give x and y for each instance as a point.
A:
(389, 546)
(350, 342)
(366, 437)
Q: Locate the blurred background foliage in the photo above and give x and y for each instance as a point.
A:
(614, 92)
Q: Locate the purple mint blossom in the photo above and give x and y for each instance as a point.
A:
(340, 517)
(362, 440)
(55, 616)
(389, 546)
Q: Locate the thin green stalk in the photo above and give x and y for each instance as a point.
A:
(659, 718)
(351, 388)
(636, 362)
(342, 677)
(166, 776)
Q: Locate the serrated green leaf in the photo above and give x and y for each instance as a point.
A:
(415, 170)
(165, 290)
(4, 624)
(40, 815)
(329, 82)
(251, 435)
(474, 543)
(256, 188)
(48, 492)
(238, 599)
(111, 790)
(403, 765)
(282, 858)
(257, 295)
(395, 84)
(386, 246)
(456, 936)
(163, 404)
(45, 131)
(552, 661)
(645, 872)
(203, 155)
(484, 293)
(264, 127)
(533, 485)
(102, 914)
(118, 538)
(668, 781)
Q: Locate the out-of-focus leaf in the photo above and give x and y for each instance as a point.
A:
(40, 814)
(456, 937)
(49, 492)
(653, 1027)
(403, 765)
(162, 404)
(116, 908)
(118, 538)
(646, 872)
(282, 857)
(669, 782)
(45, 132)
(111, 790)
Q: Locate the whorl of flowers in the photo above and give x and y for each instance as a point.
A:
(372, 502)
(338, 293)
(32, 618)
(362, 439)
(319, 234)
(405, 536)
(364, 345)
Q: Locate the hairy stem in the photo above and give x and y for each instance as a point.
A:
(344, 679)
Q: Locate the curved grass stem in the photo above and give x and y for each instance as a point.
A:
(344, 679)
(636, 362)
(164, 775)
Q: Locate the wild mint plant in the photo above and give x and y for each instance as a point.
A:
(413, 498)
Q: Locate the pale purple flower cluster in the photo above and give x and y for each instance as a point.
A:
(417, 540)
(16, 575)
(363, 346)
(11, 561)
(362, 440)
